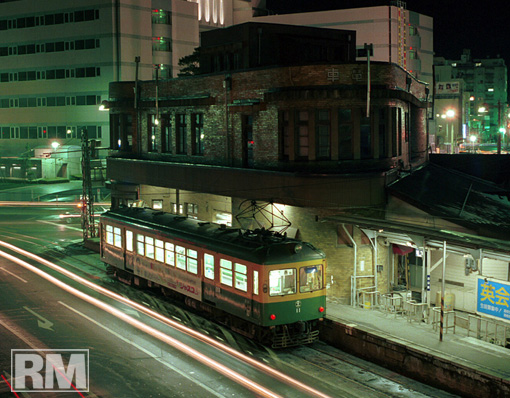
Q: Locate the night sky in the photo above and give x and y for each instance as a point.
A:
(481, 26)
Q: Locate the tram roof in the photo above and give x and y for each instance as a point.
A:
(261, 246)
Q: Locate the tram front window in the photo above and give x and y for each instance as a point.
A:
(310, 278)
(282, 282)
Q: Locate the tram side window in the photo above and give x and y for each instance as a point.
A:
(282, 282)
(149, 247)
(129, 240)
(310, 278)
(181, 257)
(160, 251)
(192, 261)
(109, 234)
(255, 282)
(169, 254)
(241, 277)
(140, 244)
(226, 272)
(117, 237)
(209, 266)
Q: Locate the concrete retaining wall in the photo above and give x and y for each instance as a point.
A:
(432, 370)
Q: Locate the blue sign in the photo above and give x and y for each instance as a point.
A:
(493, 298)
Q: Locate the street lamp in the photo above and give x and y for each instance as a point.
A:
(473, 140)
(449, 115)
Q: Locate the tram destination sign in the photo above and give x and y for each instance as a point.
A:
(493, 298)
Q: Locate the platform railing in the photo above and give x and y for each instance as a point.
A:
(448, 319)
(489, 330)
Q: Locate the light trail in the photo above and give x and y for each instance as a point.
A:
(236, 377)
(176, 325)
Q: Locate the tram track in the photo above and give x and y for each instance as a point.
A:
(381, 381)
(326, 363)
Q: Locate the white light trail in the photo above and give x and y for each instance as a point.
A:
(236, 377)
(272, 372)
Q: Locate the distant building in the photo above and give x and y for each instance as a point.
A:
(480, 97)
(398, 35)
(292, 133)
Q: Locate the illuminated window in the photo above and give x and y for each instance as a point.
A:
(255, 282)
(160, 251)
(129, 240)
(181, 257)
(192, 261)
(241, 277)
(282, 282)
(157, 204)
(109, 234)
(169, 254)
(226, 272)
(209, 266)
(310, 278)
(149, 247)
(140, 244)
(117, 237)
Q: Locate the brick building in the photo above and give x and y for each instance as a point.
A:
(294, 136)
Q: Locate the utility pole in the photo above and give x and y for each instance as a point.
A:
(87, 204)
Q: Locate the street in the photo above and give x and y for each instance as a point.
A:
(132, 354)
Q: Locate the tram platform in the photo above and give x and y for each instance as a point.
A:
(410, 345)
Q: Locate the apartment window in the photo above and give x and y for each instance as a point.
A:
(345, 129)
(197, 133)
(151, 139)
(180, 120)
(284, 136)
(166, 133)
(323, 145)
(365, 138)
(161, 44)
(302, 135)
(192, 210)
(383, 141)
(161, 17)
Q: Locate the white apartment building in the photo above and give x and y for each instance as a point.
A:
(58, 58)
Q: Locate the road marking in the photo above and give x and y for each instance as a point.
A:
(142, 349)
(41, 322)
(16, 276)
(60, 225)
